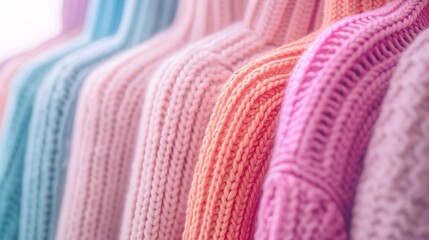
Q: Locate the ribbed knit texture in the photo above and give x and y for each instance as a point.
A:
(329, 108)
(178, 104)
(21, 96)
(51, 127)
(109, 109)
(392, 197)
(234, 156)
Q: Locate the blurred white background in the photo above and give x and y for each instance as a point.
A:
(27, 23)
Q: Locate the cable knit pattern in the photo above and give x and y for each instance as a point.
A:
(178, 104)
(234, 156)
(326, 119)
(392, 197)
(110, 103)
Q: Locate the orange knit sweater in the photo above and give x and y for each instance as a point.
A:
(234, 157)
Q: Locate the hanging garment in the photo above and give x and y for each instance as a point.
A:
(177, 107)
(392, 196)
(103, 22)
(326, 119)
(108, 113)
(73, 17)
(52, 118)
(235, 153)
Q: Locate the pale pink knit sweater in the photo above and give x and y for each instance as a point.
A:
(108, 114)
(178, 104)
(392, 198)
(331, 103)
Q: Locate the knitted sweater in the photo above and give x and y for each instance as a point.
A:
(73, 16)
(109, 109)
(178, 104)
(392, 196)
(234, 156)
(326, 119)
(16, 120)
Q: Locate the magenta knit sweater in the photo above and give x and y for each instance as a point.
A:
(327, 115)
(392, 198)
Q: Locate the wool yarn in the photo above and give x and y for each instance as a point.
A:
(235, 153)
(177, 107)
(392, 196)
(330, 105)
(51, 127)
(21, 95)
(106, 98)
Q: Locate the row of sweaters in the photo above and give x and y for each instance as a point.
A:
(228, 119)
(235, 153)
(31, 64)
(50, 126)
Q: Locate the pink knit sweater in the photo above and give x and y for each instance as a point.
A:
(392, 198)
(327, 115)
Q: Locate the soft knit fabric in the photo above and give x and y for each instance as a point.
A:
(177, 107)
(392, 197)
(73, 17)
(235, 152)
(326, 119)
(19, 106)
(51, 126)
(110, 103)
